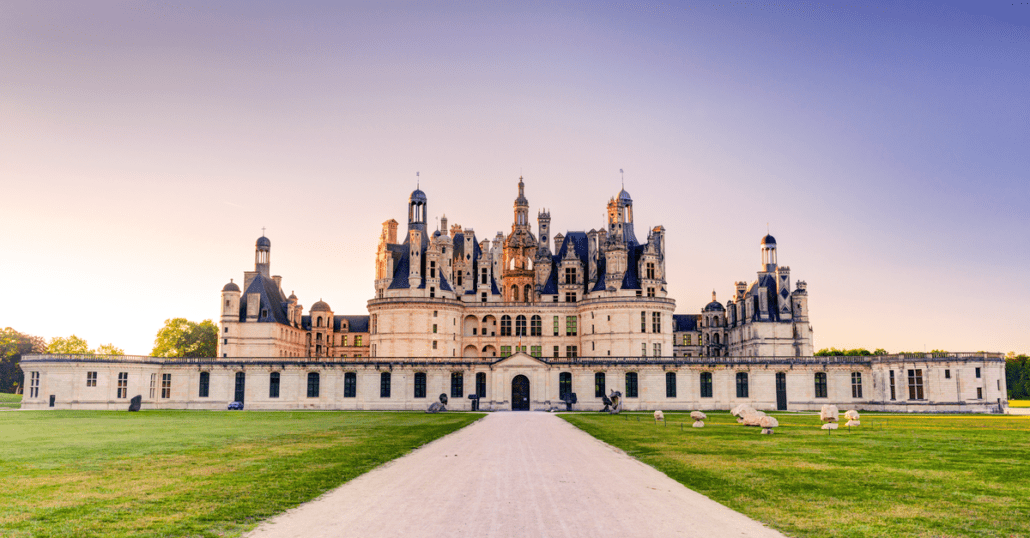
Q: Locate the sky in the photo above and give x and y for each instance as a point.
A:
(144, 147)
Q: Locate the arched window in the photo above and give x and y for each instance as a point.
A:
(319, 321)
(716, 338)
(564, 385)
(350, 385)
(708, 338)
(514, 293)
(312, 385)
(481, 385)
(670, 384)
(706, 384)
(505, 325)
(205, 384)
(384, 385)
(527, 293)
(457, 384)
(820, 385)
(598, 384)
(631, 384)
(742, 385)
(535, 326)
(520, 326)
(420, 384)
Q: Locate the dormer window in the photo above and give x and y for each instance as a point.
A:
(650, 271)
(432, 269)
(570, 275)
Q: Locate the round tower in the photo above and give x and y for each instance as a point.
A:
(769, 253)
(263, 256)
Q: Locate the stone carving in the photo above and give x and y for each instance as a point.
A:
(437, 407)
(768, 423)
(612, 403)
(658, 415)
(830, 416)
(852, 417)
(135, 403)
(699, 419)
(747, 415)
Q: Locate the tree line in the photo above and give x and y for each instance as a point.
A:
(1017, 376)
(178, 337)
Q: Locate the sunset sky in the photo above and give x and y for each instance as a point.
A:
(143, 146)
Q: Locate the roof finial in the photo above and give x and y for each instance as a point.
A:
(713, 296)
(418, 184)
(262, 231)
(623, 175)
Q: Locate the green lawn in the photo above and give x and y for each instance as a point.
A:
(896, 475)
(187, 473)
(10, 401)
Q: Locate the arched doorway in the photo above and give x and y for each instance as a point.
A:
(520, 393)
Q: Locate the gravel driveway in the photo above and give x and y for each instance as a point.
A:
(518, 474)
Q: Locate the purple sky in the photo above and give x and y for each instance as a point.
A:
(143, 147)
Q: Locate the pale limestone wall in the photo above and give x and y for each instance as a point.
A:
(65, 378)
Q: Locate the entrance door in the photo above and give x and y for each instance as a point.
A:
(781, 391)
(520, 393)
(241, 381)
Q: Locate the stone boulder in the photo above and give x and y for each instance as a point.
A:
(829, 413)
(699, 419)
(436, 407)
(852, 417)
(135, 403)
(658, 415)
(768, 423)
(830, 426)
(742, 411)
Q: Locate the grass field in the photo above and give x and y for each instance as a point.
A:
(1019, 403)
(896, 475)
(187, 473)
(10, 401)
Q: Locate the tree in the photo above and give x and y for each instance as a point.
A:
(72, 345)
(108, 349)
(880, 352)
(13, 345)
(1017, 376)
(183, 338)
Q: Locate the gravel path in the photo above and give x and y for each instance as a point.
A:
(518, 474)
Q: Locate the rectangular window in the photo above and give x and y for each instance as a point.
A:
(434, 344)
(570, 275)
(91, 379)
(343, 340)
(205, 384)
(820, 385)
(564, 385)
(570, 326)
(313, 385)
(556, 327)
(657, 350)
(650, 292)
(572, 351)
(432, 292)
(350, 385)
(656, 322)
(482, 297)
(481, 385)
(123, 384)
(34, 385)
(670, 384)
(742, 385)
(166, 385)
(457, 384)
(434, 328)
(384, 385)
(273, 385)
(643, 349)
(915, 384)
(978, 373)
(432, 269)
(643, 322)
(570, 297)
(979, 393)
(420, 384)
(556, 352)
(505, 351)
(535, 351)
(357, 340)
(893, 394)
(153, 386)
(706, 384)
(686, 339)
(947, 374)
(856, 384)
(598, 384)
(631, 384)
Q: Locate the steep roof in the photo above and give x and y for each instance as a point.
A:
(273, 303)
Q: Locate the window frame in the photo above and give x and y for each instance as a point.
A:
(350, 384)
(743, 387)
(821, 385)
(632, 385)
(314, 384)
(670, 384)
(384, 384)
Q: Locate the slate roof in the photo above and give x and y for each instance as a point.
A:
(273, 303)
(685, 322)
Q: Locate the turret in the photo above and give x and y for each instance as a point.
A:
(230, 302)
(769, 254)
(543, 220)
(263, 257)
(417, 207)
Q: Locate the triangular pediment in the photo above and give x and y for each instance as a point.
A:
(520, 360)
